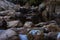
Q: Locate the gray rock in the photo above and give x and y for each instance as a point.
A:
(4, 4)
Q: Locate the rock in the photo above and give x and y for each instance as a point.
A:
(6, 5)
(52, 35)
(40, 24)
(7, 18)
(12, 23)
(28, 24)
(52, 27)
(2, 31)
(58, 36)
(7, 34)
(41, 7)
(7, 12)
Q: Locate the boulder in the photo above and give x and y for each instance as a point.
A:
(12, 23)
(4, 4)
(7, 34)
